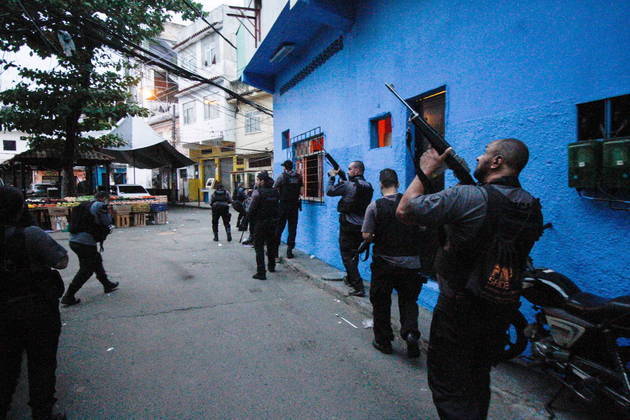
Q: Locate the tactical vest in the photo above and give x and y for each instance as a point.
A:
(290, 189)
(392, 238)
(362, 197)
(220, 196)
(268, 205)
(520, 222)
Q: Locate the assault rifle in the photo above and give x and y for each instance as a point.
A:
(454, 162)
(336, 167)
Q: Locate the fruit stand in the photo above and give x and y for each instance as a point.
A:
(55, 214)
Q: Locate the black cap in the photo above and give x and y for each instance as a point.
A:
(263, 175)
(288, 164)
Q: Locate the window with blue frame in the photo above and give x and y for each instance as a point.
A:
(381, 131)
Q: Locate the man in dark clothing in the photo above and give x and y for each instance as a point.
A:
(84, 244)
(29, 306)
(220, 203)
(238, 204)
(356, 194)
(468, 331)
(263, 211)
(395, 265)
(289, 184)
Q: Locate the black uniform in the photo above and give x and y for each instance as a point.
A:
(238, 204)
(468, 331)
(220, 203)
(289, 185)
(356, 194)
(395, 265)
(263, 211)
(29, 315)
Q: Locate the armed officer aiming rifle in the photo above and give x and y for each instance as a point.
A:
(489, 231)
(356, 194)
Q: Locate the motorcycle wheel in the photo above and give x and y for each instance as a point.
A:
(515, 340)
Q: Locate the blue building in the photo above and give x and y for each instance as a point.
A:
(548, 73)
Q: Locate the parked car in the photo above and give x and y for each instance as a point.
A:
(39, 190)
(129, 190)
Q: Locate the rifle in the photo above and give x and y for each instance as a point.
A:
(453, 161)
(364, 247)
(336, 167)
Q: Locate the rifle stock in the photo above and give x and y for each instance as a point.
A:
(453, 161)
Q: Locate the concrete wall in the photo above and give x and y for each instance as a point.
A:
(511, 69)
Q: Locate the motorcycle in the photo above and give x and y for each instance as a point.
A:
(580, 338)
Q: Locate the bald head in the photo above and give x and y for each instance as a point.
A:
(514, 152)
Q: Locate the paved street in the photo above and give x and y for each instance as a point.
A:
(191, 335)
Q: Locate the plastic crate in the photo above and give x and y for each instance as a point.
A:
(155, 208)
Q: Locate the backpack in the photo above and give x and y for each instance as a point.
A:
(506, 238)
(82, 220)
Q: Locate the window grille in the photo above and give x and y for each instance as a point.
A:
(308, 153)
(252, 122)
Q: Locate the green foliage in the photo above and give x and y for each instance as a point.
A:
(88, 91)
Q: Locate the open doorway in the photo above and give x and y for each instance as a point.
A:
(432, 107)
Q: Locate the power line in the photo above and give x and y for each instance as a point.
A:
(198, 12)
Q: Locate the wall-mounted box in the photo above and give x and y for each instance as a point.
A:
(584, 163)
(616, 164)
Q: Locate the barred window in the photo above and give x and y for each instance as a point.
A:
(309, 154)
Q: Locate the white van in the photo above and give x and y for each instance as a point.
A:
(129, 190)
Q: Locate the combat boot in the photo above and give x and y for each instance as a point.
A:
(290, 253)
(216, 237)
(68, 298)
(229, 236)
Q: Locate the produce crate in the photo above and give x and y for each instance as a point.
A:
(140, 208)
(159, 218)
(121, 209)
(57, 211)
(155, 208)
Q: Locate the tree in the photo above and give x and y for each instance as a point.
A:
(88, 90)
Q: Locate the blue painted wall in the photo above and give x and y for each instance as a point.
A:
(511, 69)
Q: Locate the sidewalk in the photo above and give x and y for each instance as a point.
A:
(513, 381)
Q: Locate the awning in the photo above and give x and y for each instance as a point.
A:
(52, 158)
(298, 23)
(157, 155)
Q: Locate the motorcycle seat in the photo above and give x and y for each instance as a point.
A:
(600, 307)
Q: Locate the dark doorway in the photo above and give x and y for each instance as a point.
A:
(431, 106)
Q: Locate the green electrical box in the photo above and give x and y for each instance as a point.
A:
(585, 163)
(616, 164)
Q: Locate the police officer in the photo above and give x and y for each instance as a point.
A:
(239, 196)
(264, 211)
(220, 203)
(395, 265)
(356, 194)
(289, 184)
(29, 306)
(468, 331)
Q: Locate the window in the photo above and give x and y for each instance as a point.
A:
(9, 144)
(252, 122)
(188, 58)
(381, 131)
(286, 139)
(189, 112)
(259, 162)
(210, 56)
(210, 108)
(604, 119)
(309, 158)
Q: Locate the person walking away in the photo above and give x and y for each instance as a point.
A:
(289, 184)
(395, 265)
(264, 211)
(249, 242)
(29, 306)
(239, 196)
(90, 224)
(220, 204)
(489, 231)
(356, 194)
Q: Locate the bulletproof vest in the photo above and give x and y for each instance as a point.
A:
(290, 190)
(392, 238)
(268, 205)
(220, 196)
(362, 197)
(520, 222)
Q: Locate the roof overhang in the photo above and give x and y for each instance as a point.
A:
(299, 22)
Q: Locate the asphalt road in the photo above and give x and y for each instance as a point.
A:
(190, 334)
